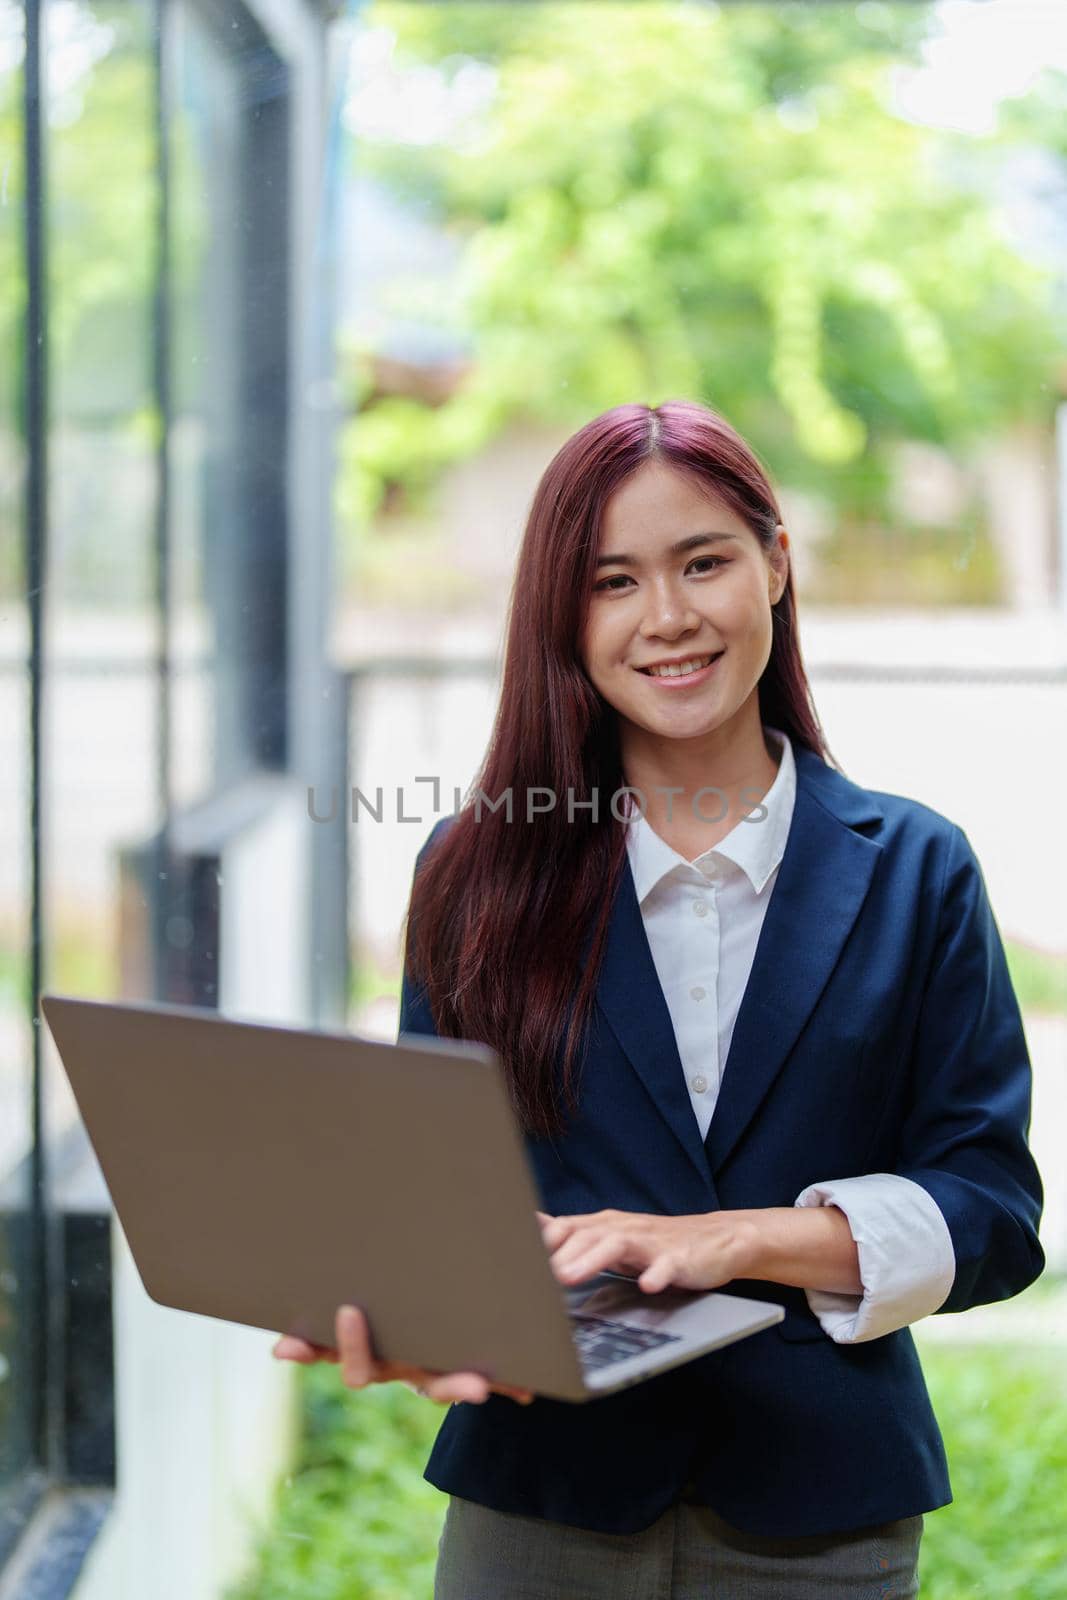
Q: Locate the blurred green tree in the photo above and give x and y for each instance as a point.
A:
(678, 200)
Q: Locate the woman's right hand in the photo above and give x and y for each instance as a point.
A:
(360, 1368)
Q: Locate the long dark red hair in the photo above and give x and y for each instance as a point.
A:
(501, 914)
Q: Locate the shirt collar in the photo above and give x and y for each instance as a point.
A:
(756, 847)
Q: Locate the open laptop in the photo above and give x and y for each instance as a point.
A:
(266, 1174)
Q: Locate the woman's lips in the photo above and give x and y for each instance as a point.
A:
(690, 678)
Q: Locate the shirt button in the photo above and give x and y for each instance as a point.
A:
(697, 993)
(700, 908)
(700, 1084)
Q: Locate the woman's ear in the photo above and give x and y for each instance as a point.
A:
(779, 562)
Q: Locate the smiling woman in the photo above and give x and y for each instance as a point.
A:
(614, 576)
(698, 629)
(773, 1050)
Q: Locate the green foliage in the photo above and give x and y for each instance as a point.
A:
(669, 200)
(1003, 1412)
(399, 440)
(102, 191)
(14, 979)
(357, 1521)
(1040, 115)
(371, 982)
(12, 322)
(1039, 978)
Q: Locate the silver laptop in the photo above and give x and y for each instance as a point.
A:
(266, 1174)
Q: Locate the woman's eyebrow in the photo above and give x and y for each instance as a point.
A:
(677, 549)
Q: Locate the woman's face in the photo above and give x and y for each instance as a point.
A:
(652, 604)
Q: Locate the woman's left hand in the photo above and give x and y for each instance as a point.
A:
(697, 1252)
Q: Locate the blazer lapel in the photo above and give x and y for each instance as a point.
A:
(822, 883)
(629, 994)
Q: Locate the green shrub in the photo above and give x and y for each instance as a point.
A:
(357, 1521)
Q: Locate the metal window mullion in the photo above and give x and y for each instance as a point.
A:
(160, 885)
(46, 1290)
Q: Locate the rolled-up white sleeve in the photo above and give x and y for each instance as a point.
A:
(906, 1260)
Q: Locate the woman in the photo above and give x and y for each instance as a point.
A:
(758, 1026)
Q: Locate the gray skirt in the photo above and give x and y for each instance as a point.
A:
(689, 1553)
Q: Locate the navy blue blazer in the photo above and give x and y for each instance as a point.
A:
(878, 1032)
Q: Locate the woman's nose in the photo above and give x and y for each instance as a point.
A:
(668, 611)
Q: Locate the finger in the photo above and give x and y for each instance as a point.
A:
(657, 1275)
(453, 1386)
(584, 1261)
(556, 1230)
(581, 1222)
(434, 1385)
(442, 1389)
(437, 1385)
(353, 1340)
(290, 1348)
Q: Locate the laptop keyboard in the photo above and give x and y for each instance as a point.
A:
(600, 1341)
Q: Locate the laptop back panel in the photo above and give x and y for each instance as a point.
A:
(245, 1200)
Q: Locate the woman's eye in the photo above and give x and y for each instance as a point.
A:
(621, 578)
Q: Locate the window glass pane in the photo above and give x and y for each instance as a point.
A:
(100, 763)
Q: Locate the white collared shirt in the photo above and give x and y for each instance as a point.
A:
(906, 1260)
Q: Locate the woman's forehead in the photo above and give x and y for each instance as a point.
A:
(662, 503)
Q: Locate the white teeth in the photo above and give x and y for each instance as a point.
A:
(681, 669)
